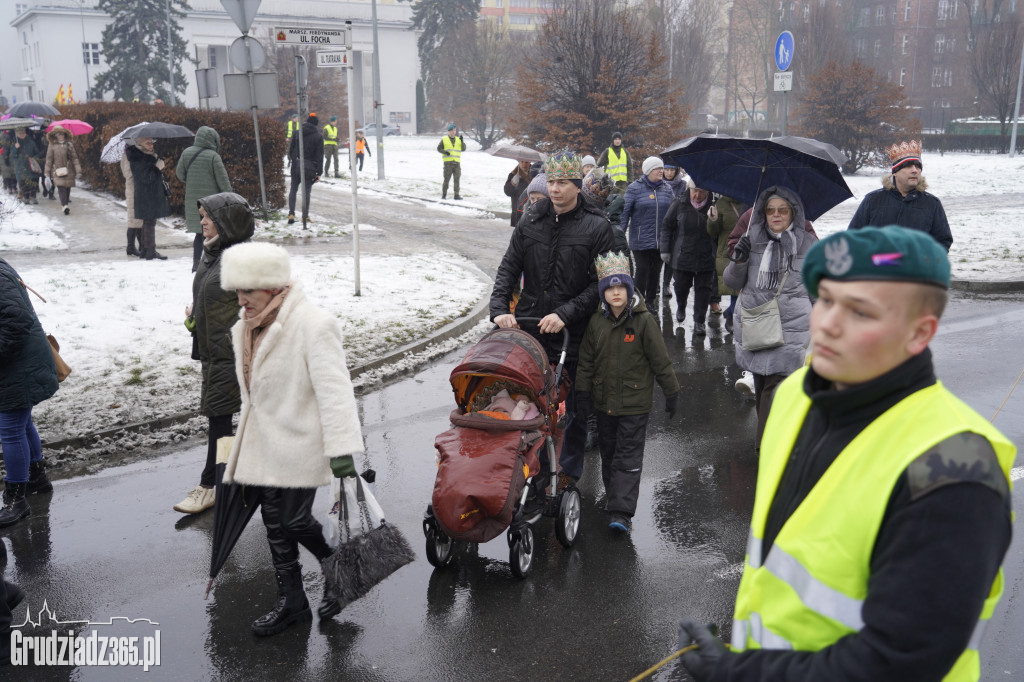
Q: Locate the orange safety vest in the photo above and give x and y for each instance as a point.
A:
(361, 146)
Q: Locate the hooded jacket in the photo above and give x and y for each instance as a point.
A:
(61, 155)
(919, 210)
(27, 373)
(150, 201)
(620, 359)
(684, 235)
(646, 205)
(202, 171)
(555, 256)
(794, 301)
(312, 150)
(26, 147)
(215, 310)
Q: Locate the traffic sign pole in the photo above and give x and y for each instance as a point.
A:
(784, 49)
(351, 86)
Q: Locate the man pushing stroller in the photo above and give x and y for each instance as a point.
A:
(622, 354)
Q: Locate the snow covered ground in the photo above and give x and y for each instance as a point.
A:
(120, 326)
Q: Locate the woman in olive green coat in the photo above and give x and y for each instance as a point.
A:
(727, 212)
(202, 170)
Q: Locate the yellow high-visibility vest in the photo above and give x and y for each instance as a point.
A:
(616, 168)
(330, 134)
(452, 147)
(292, 127)
(808, 591)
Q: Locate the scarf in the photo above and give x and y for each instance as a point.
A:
(700, 205)
(780, 252)
(256, 329)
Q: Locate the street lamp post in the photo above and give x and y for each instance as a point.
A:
(170, 52)
(378, 118)
(86, 53)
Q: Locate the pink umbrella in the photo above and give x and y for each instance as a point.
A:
(72, 125)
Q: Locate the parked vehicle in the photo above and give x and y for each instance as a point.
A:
(371, 130)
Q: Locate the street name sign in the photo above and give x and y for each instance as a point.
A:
(302, 35)
(332, 58)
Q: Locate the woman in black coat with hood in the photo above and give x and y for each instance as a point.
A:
(687, 248)
(150, 196)
(28, 376)
(226, 220)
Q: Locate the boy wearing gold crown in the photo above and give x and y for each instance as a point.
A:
(903, 200)
(622, 354)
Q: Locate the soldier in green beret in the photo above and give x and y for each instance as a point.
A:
(882, 510)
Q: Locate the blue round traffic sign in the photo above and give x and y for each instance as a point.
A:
(784, 51)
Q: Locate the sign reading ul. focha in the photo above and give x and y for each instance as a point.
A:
(299, 35)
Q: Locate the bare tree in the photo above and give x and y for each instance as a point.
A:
(697, 61)
(994, 37)
(596, 69)
(477, 88)
(755, 25)
(824, 38)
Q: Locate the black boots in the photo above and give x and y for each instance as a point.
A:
(329, 606)
(37, 480)
(292, 605)
(134, 233)
(15, 506)
(150, 254)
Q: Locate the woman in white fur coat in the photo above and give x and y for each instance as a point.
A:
(299, 422)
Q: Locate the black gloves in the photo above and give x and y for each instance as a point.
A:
(584, 405)
(671, 403)
(741, 252)
(343, 466)
(700, 662)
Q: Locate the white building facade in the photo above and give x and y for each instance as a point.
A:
(46, 44)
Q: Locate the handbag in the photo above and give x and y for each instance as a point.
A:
(370, 549)
(63, 370)
(61, 172)
(33, 165)
(762, 326)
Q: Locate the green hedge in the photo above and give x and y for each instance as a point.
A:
(238, 147)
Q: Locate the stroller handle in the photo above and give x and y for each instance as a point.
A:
(565, 331)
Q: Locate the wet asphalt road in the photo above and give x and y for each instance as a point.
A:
(109, 545)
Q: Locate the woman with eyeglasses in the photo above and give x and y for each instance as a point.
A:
(766, 264)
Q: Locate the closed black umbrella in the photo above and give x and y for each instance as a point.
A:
(156, 129)
(235, 505)
(740, 168)
(33, 109)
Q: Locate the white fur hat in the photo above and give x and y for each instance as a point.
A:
(588, 160)
(254, 265)
(652, 162)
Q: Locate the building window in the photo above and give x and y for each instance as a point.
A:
(906, 43)
(906, 12)
(499, 3)
(807, 14)
(90, 53)
(949, 78)
(878, 48)
(903, 77)
(865, 17)
(937, 77)
(211, 57)
(951, 45)
(861, 46)
(880, 16)
(940, 43)
(20, 8)
(519, 3)
(943, 10)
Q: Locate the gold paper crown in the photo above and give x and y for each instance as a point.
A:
(612, 263)
(566, 166)
(903, 150)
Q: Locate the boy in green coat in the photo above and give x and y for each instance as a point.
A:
(622, 354)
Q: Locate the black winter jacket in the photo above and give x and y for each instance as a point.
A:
(919, 210)
(555, 255)
(150, 198)
(312, 151)
(27, 373)
(684, 235)
(215, 310)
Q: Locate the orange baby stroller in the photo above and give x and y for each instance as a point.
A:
(488, 460)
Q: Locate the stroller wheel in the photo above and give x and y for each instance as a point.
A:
(439, 548)
(520, 554)
(568, 526)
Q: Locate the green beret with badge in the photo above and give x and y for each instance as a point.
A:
(890, 253)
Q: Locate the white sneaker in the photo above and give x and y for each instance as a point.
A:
(745, 384)
(199, 499)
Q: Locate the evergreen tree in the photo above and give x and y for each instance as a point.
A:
(135, 48)
(439, 19)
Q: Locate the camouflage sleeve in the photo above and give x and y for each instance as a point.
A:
(963, 458)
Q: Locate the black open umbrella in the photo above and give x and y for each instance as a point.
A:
(740, 168)
(234, 507)
(156, 129)
(32, 109)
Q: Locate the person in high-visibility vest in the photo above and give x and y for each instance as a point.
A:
(331, 146)
(882, 511)
(293, 125)
(451, 147)
(617, 164)
(361, 148)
